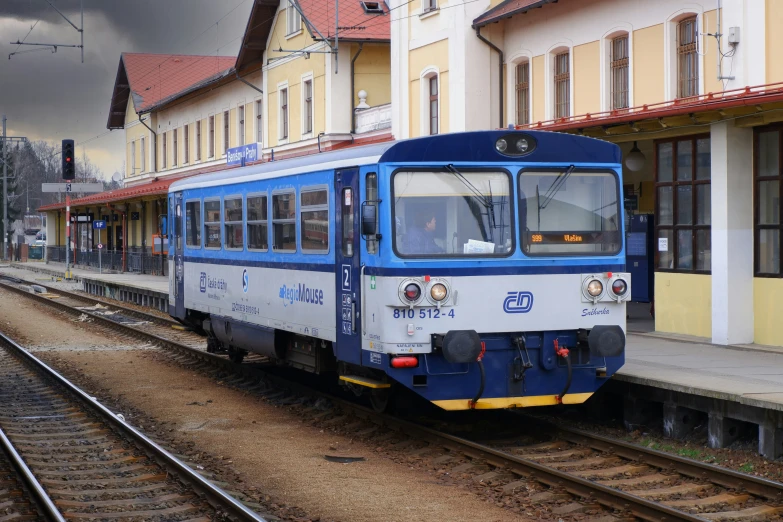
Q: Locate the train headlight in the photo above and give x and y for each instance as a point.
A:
(595, 288)
(522, 145)
(619, 287)
(501, 145)
(438, 292)
(412, 292)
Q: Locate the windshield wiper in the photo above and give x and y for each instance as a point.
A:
(484, 200)
(556, 186)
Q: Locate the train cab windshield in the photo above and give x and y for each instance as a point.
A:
(568, 212)
(452, 213)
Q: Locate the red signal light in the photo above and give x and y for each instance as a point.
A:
(67, 160)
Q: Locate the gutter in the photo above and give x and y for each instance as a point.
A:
(500, 72)
(353, 96)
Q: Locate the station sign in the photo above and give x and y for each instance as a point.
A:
(98, 224)
(244, 154)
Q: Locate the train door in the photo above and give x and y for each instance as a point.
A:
(179, 262)
(349, 346)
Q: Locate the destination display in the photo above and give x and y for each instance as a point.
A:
(587, 238)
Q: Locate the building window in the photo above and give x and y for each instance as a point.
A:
(433, 98)
(133, 158)
(523, 93)
(211, 137)
(143, 154)
(284, 222)
(293, 19)
(232, 222)
(619, 72)
(562, 86)
(212, 224)
(241, 118)
(283, 114)
(257, 224)
(308, 107)
(225, 132)
(164, 154)
(199, 123)
(683, 204)
(186, 155)
(687, 58)
(174, 155)
(767, 197)
(428, 5)
(259, 121)
(315, 220)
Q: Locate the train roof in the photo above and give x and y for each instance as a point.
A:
(459, 147)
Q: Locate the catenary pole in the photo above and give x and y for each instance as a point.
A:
(5, 196)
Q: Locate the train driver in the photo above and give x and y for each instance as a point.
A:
(421, 237)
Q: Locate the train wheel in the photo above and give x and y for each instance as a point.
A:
(212, 345)
(380, 398)
(236, 356)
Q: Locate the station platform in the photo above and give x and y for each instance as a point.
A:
(681, 382)
(141, 289)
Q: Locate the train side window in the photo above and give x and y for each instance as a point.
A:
(348, 213)
(212, 224)
(315, 219)
(193, 223)
(371, 194)
(257, 235)
(284, 222)
(232, 222)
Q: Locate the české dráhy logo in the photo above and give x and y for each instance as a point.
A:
(518, 303)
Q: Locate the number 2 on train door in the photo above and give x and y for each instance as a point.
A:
(347, 278)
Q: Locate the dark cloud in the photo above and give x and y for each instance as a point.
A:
(54, 96)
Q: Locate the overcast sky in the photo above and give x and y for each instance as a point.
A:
(52, 96)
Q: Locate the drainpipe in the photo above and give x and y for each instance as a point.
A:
(353, 97)
(154, 145)
(248, 83)
(500, 71)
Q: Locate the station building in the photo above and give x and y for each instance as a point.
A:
(692, 92)
(293, 89)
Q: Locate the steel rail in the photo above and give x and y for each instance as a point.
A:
(40, 497)
(605, 495)
(73, 295)
(216, 497)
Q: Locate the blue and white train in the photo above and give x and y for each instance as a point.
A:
(479, 269)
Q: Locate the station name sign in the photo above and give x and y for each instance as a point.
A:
(244, 154)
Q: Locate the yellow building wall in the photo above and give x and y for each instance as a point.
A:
(774, 35)
(648, 69)
(436, 54)
(587, 78)
(767, 311)
(219, 134)
(250, 122)
(291, 72)
(711, 82)
(232, 128)
(539, 110)
(372, 72)
(133, 133)
(683, 303)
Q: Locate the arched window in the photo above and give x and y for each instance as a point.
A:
(562, 84)
(619, 71)
(522, 89)
(430, 101)
(687, 58)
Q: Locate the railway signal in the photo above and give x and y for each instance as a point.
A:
(69, 168)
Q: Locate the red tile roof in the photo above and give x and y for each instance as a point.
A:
(354, 22)
(156, 79)
(507, 9)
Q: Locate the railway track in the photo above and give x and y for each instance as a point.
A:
(606, 478)
(89, 462)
